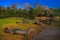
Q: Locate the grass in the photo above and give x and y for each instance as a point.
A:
(11, 23)
(9, 20)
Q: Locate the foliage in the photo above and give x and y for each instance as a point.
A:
(27, 12)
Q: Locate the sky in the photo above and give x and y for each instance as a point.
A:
(48, 3)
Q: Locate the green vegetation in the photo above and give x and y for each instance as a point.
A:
(11, 23)
(10, 15)
(9, 20)
(28, 11)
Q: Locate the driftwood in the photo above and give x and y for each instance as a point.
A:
(25, 33)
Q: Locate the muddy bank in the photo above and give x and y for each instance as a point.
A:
(49, 34)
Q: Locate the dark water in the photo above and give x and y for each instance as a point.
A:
(49, 34)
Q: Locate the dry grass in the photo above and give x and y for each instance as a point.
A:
(7, 36)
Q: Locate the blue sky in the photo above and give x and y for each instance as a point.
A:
(49, 3)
